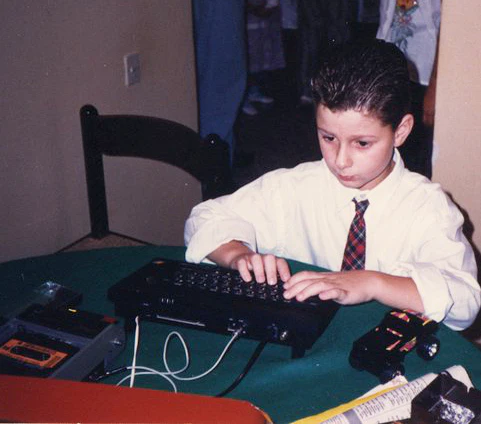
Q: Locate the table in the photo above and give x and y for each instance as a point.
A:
(284, 388)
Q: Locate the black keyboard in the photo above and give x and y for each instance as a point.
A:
(225, 281)
(216, 299)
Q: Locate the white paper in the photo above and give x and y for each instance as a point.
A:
(396, 404)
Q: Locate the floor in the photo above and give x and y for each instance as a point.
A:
(111, 240)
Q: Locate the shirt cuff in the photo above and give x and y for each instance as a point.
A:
(432, 288)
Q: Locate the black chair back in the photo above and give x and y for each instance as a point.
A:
(147, 137)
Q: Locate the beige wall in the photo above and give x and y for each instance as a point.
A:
(56, 56)
(458, 108)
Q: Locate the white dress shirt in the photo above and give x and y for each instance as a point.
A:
(412, 229)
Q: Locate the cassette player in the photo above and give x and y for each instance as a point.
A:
(59, 342)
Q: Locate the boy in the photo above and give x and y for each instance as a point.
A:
(414, 254)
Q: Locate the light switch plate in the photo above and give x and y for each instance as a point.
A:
(132, 69)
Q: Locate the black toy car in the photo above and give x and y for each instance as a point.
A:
(381, 351)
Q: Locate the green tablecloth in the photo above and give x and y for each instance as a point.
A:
(286, 389)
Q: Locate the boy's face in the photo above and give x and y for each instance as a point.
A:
(357, 147)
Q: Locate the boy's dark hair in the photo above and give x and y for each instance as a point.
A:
(369, 76)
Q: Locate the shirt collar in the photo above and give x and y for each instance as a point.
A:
(379, 195)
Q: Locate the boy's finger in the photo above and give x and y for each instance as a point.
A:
(243, 268)
(310, 290)
(258, 268)
(325, 291)
(270, 267)
(283, 269)
(335, 294)
(295, 289)
(298, 278)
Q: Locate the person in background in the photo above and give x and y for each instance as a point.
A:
(413, 26)
(265, 51)
(221, 64)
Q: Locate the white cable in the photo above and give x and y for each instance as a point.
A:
(150, 371)
(171, 374)
(136, 346)
(196, 377)
(186, 353)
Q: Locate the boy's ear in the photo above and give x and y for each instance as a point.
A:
(403, 130)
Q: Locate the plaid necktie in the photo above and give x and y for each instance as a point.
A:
(355, 251)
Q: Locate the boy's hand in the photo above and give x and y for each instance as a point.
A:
(236, 255)
(345, 287)
(264, 267)
(353, 287)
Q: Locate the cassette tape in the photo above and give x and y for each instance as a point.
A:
(33, 354)
(59, 343)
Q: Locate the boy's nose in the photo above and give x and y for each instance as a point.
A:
(343, 159)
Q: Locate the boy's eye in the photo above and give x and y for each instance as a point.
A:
(362, 143)
(327, 138)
